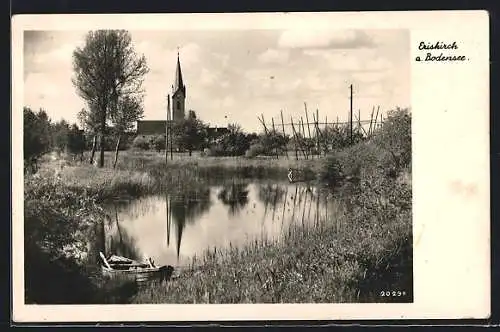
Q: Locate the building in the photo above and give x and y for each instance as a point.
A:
(176, 110)
(178, 94)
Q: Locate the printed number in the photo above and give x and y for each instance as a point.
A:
(392, 293)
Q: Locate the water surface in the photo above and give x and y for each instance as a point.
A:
(172, 229)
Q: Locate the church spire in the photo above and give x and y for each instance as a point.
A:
(179, 84)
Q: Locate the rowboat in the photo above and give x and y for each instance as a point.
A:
(297, 175)
(125, 268)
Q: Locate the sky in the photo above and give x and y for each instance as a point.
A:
(234, 76)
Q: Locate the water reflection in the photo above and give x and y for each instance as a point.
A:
(176, 226)
(183, 208)
(124, 243)
(235, 196)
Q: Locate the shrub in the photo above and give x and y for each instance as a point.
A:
(159, 142)
(58, 221)
(140, 143)
(395, 137)
(254, 150)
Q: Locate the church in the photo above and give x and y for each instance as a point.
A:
(176, 105)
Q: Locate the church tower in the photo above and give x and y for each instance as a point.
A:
(178, 94)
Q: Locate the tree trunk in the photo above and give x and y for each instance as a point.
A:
(92, 153)
(116, 151)
(103, 130)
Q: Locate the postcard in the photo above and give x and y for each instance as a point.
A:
(250, 166)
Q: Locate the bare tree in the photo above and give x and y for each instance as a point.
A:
(128, 112)
(106, 69)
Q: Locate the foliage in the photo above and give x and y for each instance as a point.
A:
(140, 143)
(107, 71)
(339, 137)
(395, 136)
(37, 135)
(387, 154)
(233, 143)
(190, 133)
(273, 143)
(60, 134)
(76, 140)
(254, 150)
(159, 142)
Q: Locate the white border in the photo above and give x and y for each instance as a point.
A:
(450, 107)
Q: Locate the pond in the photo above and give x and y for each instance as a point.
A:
(173, 228)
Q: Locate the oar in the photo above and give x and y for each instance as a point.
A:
(105, 260)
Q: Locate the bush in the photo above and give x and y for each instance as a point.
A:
(216, 150)
(395, 137)
(159, 143)
(58, 221)
(140, 143)
(254, 150)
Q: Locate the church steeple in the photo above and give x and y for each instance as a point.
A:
(179, 84)
(178, 93)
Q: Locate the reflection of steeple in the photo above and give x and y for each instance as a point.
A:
(184, 209)
(180, 229)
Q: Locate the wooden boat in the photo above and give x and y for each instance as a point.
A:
(128, 269)
(297, 175)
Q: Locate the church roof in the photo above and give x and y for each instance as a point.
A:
(151, 127)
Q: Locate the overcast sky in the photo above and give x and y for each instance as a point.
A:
(239, 74)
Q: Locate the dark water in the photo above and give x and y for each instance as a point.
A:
(172, 229)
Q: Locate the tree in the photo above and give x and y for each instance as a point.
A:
(159, 142)
(140, 143)
(395, 136)
(60, 133)
(36, 136)
(234, 142)
(106, 69)
(128, 112)
(76, 141)
(89, 121)
(190, 133)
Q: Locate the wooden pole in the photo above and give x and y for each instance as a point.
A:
(350, 99)
(326, 134)
(297, 139)
(371, 120)
(307, 119)
(264, 123)
(316, 124)
(304, 137)
(360, 126)
(167, 133)
(308, 129)
(284, 135)
(359, 120)
(294, 139)
(274, 133)
(376, 118)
